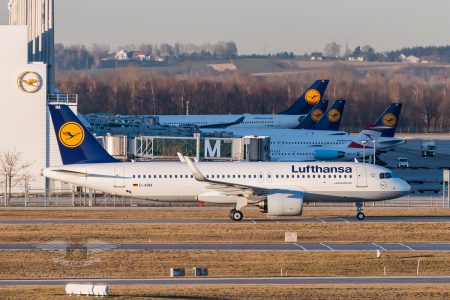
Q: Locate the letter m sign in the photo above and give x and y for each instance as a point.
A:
(212, 152)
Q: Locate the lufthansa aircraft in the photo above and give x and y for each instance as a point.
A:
(279, 189)
(289, 118)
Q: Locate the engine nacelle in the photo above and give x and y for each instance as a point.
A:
(328, 154)
(282, 205)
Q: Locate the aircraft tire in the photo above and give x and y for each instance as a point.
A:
(236, 215)
(360, 216)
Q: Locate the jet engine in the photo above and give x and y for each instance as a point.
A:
(282, 205)
(328, 154)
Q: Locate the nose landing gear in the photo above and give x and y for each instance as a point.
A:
(359, 211)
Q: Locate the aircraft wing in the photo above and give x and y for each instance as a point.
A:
(223, 125)
(225, 187)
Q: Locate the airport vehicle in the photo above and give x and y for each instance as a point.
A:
(289, 118)
(279, 189)
(402, 162)
(428, 148)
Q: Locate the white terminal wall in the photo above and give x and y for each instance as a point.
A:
(25, 124)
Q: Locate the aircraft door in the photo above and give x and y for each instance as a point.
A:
(361, 176)
(119, 180)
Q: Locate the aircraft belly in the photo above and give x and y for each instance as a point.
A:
(342, 196)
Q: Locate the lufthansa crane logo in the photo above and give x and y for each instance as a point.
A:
(312, 96)
(29, 82)
(316, 114)
(389, 120)
(71, 134)
(334, 115)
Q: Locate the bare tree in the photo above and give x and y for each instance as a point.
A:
(13, 171)
(332, 49)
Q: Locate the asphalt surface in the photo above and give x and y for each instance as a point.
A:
(370, 219)
(392, 280)
(63, 246)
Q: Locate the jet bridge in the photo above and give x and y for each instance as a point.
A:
(251, 148)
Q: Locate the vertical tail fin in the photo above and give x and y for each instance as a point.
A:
(388, 120)
(365, 139)
(76, 143)
(308, 99)
(314, 115)
(331, 120)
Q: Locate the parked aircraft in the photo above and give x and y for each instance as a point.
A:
(288, 118)
(279, 189)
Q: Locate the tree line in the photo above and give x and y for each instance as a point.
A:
(129, 91)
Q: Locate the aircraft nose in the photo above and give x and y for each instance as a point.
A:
(404, 187)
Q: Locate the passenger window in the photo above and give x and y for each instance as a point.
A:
(165, 176)
(381, 175)
(228, 176)
(134, 176)
(340, 176)
(244, 176)
(276, 176)
(139, 176)
(160, 176)
(144, 176)
(318, 176)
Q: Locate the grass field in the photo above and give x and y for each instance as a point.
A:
(147, 264)
(229, 233)
(414, 292)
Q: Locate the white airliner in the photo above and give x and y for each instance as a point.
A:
(289, 118)
(279, 189)
(308, 144)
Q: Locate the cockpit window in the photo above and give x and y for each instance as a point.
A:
(387, 175)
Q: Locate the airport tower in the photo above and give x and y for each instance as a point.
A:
(27, 81)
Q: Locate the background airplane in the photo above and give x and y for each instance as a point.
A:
(288, 118)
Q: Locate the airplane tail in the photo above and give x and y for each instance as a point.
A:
(332, 118)
(367, 138)
(308, 99)
(314, 115)
(76, 143)
(388, 120)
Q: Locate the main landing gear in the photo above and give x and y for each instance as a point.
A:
(236, 215)
(359, 211)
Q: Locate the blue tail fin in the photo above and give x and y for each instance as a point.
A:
(331, 120)
(311, 119)
(389, 120)
(76, 143)
(308, 99)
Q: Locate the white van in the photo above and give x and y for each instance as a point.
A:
(402, 162)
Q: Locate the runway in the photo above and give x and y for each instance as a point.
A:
(368, 219)
(63, 246)
(365, 280)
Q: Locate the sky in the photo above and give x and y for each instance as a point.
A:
(257, 26)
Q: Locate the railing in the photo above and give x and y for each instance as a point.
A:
(63, 99)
